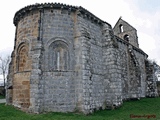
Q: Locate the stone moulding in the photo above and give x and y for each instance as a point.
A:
(24, 11)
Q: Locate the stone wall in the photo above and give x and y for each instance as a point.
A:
(18, 85)
(58, 84)
(21, 91)
(151, 86)
(92, 67)
(135, 58)
(158, 87)
(112, 78)
(132, 70)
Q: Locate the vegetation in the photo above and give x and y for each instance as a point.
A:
(147, 108)
(2, 96)
(4, 64)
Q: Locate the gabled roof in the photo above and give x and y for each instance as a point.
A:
(121, 20)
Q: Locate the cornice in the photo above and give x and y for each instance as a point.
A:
(38, 7)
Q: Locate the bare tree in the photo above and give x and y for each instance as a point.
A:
(4, 64)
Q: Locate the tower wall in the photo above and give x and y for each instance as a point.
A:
(58, 81)
(26, 32)
(90, 35)
(125, 31)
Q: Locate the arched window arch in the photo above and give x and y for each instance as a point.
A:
(121, 28)
(22, 58)
(58, 56)
(126, 37)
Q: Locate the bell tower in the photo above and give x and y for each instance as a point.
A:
(126, 32)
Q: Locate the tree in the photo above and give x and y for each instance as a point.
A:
(4, 64)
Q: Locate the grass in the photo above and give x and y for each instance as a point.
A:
(144, 108)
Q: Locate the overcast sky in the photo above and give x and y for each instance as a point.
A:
(144, 15)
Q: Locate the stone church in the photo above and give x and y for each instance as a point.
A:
(66, 59)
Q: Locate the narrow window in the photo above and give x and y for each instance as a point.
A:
(58, 60)
(121, 28)
(22, 58)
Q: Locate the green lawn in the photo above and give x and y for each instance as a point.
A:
(147, 107)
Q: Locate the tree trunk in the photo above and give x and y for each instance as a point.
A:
(4, 78)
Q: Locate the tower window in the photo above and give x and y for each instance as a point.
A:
(126, 37)
(121, 28)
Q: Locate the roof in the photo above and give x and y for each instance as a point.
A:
(120, 19)
(22, 12)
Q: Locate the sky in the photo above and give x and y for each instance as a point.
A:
(144, 15)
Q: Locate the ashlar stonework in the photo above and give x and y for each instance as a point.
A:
(66, 59)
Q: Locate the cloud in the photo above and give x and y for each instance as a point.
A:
(147, 24)
(151, 28)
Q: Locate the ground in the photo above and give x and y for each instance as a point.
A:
(147, 108)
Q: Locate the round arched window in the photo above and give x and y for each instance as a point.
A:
(126, 37)
(58, 56)
(22, 58)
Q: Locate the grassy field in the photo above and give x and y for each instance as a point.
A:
(144, 109)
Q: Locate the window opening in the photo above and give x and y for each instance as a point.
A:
(58, 60)
(121, 28)
(22, 58)
(126, 37)
(58, 56)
